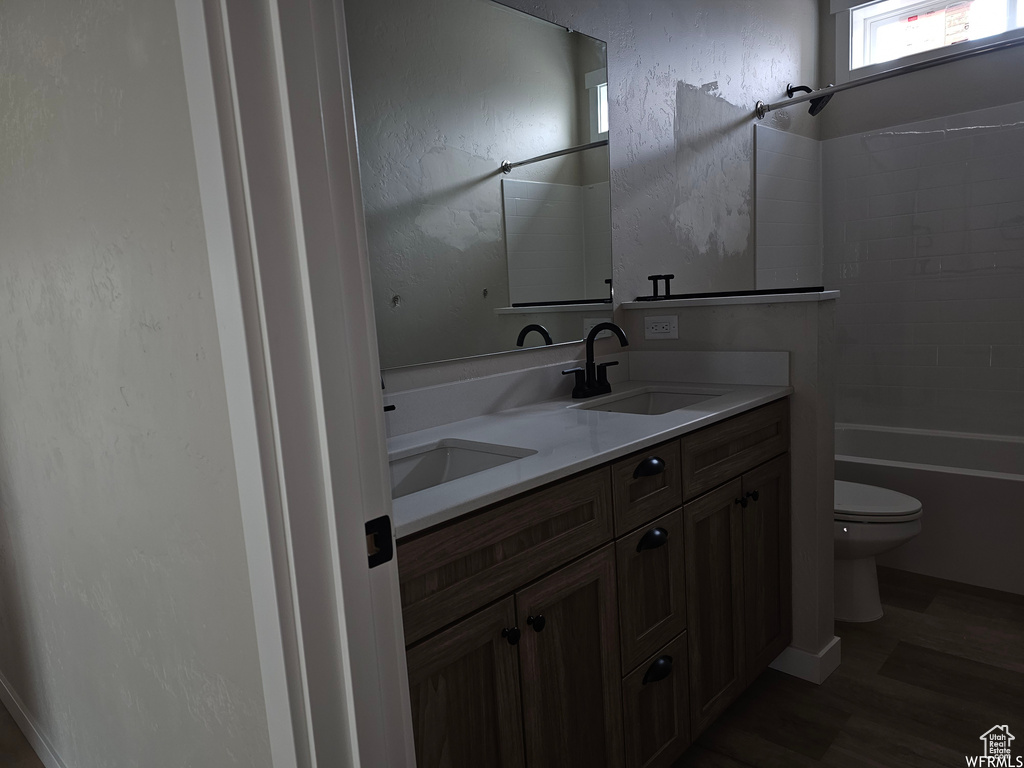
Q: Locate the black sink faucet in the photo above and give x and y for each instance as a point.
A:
(593, 380)
(533, 327)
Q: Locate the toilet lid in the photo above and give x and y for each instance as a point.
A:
(868, 503)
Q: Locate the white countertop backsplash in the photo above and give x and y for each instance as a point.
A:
(532, 410)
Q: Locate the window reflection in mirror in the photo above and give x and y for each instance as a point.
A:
(444, 92)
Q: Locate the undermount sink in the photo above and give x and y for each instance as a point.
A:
(650, 401)
(416, 469)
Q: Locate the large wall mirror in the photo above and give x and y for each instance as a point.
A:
(463, 256)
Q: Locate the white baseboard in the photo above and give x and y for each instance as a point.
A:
(813, 667)
(35, 737)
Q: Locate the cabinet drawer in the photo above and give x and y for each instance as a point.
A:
(652, 594)
(727, 450)
(656, 709)
(448, 573)
(646, 485)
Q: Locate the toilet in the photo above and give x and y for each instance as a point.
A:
(868, 521)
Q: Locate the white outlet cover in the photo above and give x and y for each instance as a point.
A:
(661, 327)
(590, 322)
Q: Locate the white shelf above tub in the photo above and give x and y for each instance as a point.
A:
(546, 308)
(718, 301)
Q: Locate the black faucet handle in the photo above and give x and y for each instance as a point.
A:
(602, 371)
(580, 384)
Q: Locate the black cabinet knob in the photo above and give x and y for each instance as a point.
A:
(742, 501)
(511, 634)
(755, 495)
(649, 467)
(538, 622)
(659, 670)
(654, 538)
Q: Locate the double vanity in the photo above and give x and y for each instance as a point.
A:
(592, 582)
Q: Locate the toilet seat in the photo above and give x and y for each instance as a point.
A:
(859, 503)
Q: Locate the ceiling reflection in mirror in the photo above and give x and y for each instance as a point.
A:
(462, 254)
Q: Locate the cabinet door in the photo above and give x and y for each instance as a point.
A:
(569, 652)
(714, 602)
(464, 687)
(652, 596)
(766, 564)
(656, 710)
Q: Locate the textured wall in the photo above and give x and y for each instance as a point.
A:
(126, 624)
(924, 235)
(684, 78)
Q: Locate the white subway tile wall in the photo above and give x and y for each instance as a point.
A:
(787, 209)
(543, 240)
(924, 237)
(597, 238)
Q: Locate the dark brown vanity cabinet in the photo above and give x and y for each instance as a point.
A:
(464, 689)
(569, 662)
(539, 681)
(602, 621)
(737, 556)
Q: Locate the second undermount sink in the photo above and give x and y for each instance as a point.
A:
(424, 467)
(649, 401)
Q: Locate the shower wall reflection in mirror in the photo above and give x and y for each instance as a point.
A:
(444, 92)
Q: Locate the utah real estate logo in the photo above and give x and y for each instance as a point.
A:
(998, 750)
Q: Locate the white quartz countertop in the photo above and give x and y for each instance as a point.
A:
(566, 439)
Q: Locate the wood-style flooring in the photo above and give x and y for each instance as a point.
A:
(916, 689)
(14, 749)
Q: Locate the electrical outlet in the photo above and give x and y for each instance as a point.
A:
(590, 322)
(662, 327)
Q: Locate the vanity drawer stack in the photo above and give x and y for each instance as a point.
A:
(647, 491)
(607, 618)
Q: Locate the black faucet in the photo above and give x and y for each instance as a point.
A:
(533, 327)
(593, 380)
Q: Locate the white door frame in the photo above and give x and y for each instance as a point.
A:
(272, 121)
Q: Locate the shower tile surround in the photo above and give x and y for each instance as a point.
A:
(558, 240)
(787, 210)
(924, 236)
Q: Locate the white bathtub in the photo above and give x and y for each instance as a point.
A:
(972, 491)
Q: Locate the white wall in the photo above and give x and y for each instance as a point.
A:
(925, 238)
(126, 623)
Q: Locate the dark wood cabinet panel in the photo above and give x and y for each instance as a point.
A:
(766, 564)
(728, 449)
(714, 602)
(640, 492)
(656, 709)
(627, 650)
(652, 594)
(464, 689)
(450, 571)
(572, 701)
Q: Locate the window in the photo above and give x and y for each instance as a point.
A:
(602, 108)
(597, 85)
(916, 30)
